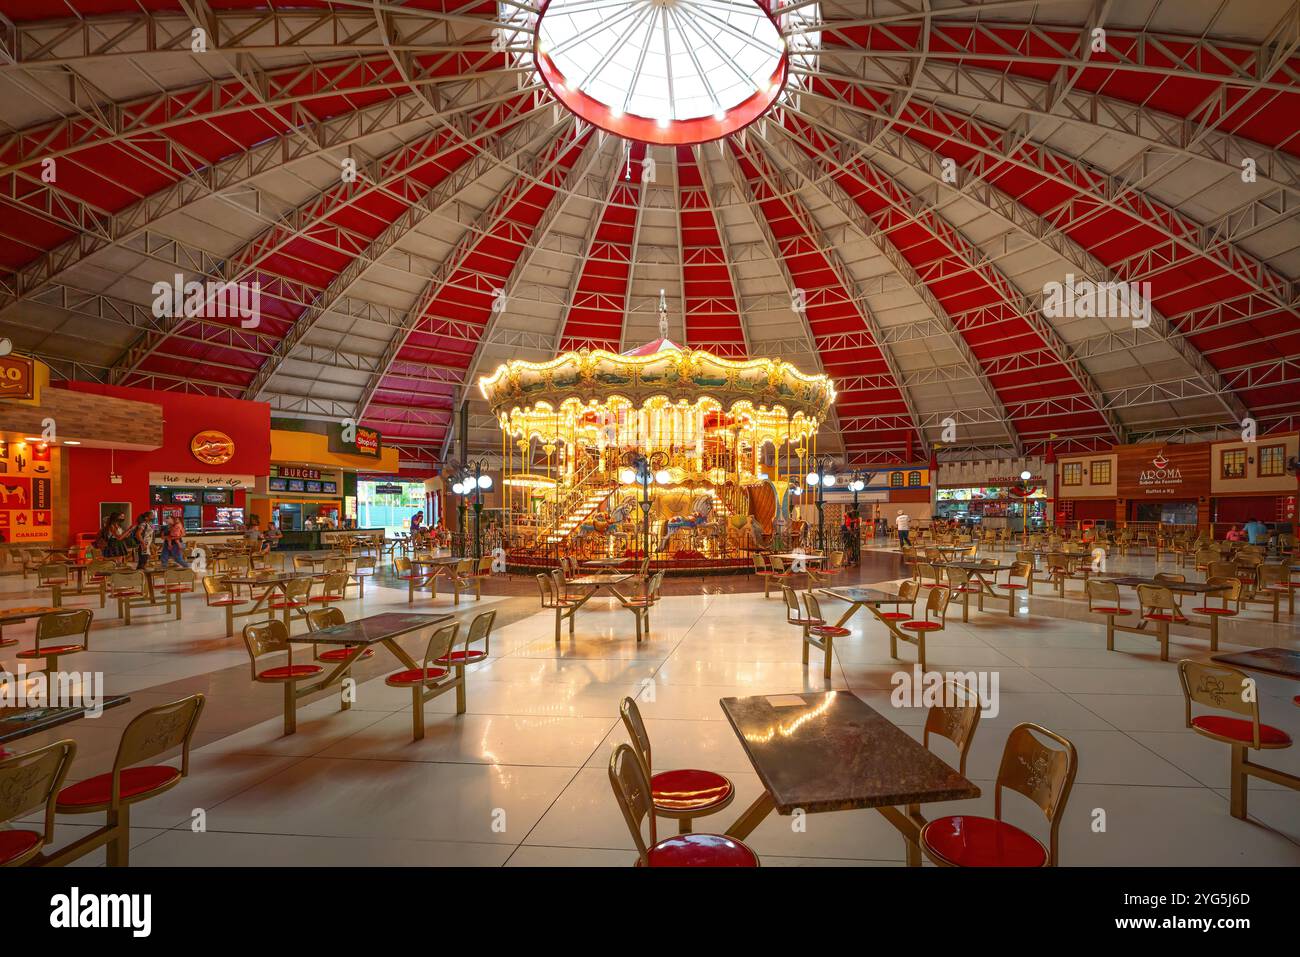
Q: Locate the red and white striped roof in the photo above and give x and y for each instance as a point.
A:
(928, 169)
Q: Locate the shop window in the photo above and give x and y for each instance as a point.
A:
(1233, 463)
(1272, 461)
(895, 479)
(1099, 472)
(1072, 473)
(914, 479)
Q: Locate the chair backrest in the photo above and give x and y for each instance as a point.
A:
(481, 628)
(632, 791)
(1217, 569)
(813, 606)
(937, 602)
(401, 566)
(178, 576)
(1156, 598)
(1175, 578)
(335, 564)
(1206, 555)
(302, 563)
(792, 613)
(52, 571)
(327, 617)
(128, 581)
(365, 561)
(778, 565)
(241, 563)
(440, 644)
(156, 731)
(464, 567)
(1230, 588)
(656, 583)
(1104, 591)
(264, 638)
(485, 565)
(956, 721)
(1042, 773)
(297, 589)
(957, 577)
(909, 590)
(1272, 575)
(760, 562)
(547, 587)
(1219, 687)
(214, 585)
(31, 779)
(334, 584)
(636, 731)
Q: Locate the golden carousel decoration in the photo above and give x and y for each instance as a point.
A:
(676, 451)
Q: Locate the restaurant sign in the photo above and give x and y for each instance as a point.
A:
(17, 377)
(1154, 471)
(355, 440)
(201, 480)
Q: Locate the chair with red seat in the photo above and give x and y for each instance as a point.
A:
(177, 582)
(128, 588)
(97, 574)
(474, 576)
(430, 679)
(1216, 686)
(777, 574)
(1030, 766)
(1104, 599)
(683, 794)
(264, 639)
(959, 583)
(1157, 605)
(554, 598)
(54, 576)
(405, 572)
(914, 632)
(480, 629)
(334, 588)
(794, 615)
(908, 592)
(634, 793)
(820, 636)
(955, 720)
(151, 733)
(292, 600)
(30, 780)
(1019, 569)
(1268, 584)
(328, 617)
(640, 605)
(1229, 591)
(59, 633)
(218, 594)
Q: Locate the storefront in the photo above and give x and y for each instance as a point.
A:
(1164, 484)
(996, 493)
(215, 503)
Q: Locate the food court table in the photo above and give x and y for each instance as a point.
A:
(1162, 627)
(831, 751)
(438, 565)
(18, 722)
(273, 583)
(358, 636)
(857, 598)
(9, 616)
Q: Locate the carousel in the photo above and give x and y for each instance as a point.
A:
(692, 459)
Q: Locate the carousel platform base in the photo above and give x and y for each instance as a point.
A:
(671, 567)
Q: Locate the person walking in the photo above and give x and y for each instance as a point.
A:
(110, 538)
(173, 545)
(1256, 531)
(903, 524)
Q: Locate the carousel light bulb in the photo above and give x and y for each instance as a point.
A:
(485, 481)
(626, 476)
(662, 477)
(813, 478)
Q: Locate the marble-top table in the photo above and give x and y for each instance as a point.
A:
(831, 751)
(1281, 662)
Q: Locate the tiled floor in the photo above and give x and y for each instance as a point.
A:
(520, 779)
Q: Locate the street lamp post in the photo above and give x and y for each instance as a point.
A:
(856, 485)
(640, 469)
(821, 478)
(473, 484)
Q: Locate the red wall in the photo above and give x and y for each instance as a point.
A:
(247, 423)
(1093, 509)
(1243, 508)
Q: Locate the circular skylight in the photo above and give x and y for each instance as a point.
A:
(662, 71)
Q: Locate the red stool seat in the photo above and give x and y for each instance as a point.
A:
(830, 631)
(1210, 610)
(288, 604)
(1239, 729)
(127, 593)
(341, 654)
(414, 676)
(52, 581)
(7, 643)
(895, 615)
(50, 650)
(806, 621)
(1163, 616)
(701, 850)
(689, 789)
(923, 625)
(462, 657)
(289, 672)
(971, 589)
(220, 602)
(981, 842)
(326, 598)
(1109, 610)
(135, 782)
(1012, 587)
(179, 588)
(14, 844)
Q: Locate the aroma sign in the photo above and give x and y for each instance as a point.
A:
(1149, 471)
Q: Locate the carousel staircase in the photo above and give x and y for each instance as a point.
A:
(582, 508)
